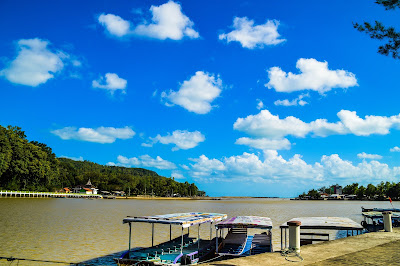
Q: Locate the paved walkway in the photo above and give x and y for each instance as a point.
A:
(380, 248)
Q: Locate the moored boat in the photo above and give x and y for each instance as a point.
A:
(238, 241)
(183, 250)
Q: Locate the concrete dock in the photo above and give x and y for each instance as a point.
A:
(379, 248)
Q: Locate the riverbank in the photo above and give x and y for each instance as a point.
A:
(166, 198)
(379, 248)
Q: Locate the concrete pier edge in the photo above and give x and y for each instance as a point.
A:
(378, 248)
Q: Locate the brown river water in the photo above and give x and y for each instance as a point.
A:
(81, 230)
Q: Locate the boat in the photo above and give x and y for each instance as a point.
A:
(373, 220)
(379, 209)
(313, 229)
(238, 241)
(182, 250)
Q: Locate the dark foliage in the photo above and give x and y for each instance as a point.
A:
(380, 32)
(33, 166)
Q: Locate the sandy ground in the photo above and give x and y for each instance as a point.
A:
(380, 248)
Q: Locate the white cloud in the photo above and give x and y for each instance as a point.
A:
(110, 82)
(177, 175)
(115, 25)
(266, 125)
(146, 161)
(98, 135)
(205, 167)
(79, 159)
(295, 102)
(253, 36)
(364, 155)
(395, 149)
(274, 168)
(35, 63)
(182, 139)
(314, 76)
(196, 94)
(370, 125)
(167, 22)
(260, 104)
(265, 144)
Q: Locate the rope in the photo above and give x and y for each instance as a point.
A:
(12, 259)
(291, 253)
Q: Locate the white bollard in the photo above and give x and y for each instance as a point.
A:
(387, 221)
(294, 235)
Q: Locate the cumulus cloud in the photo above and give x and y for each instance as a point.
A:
(364, 155)
(35, 63)
(110, 82)
(196, 94)
(395, 149)
(295, 102)
(274, 168)
(167, 22)
(253, 36)
(267, 125)
(146, 161)
(314, 75)
(205, 167)
(372, 124)
(115, 25)
(98, 135)
(182, 139)
(265, 143)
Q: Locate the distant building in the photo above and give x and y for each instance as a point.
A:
(85, 189)
(336, 190)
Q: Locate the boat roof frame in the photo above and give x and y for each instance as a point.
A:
(246, 222)
(326, 223)
(183, 219)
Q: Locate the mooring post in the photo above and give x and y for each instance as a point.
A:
(387, 221)
(294, 235)
(130, 237)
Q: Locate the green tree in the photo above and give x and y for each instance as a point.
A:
(380, 32)
(370, 191)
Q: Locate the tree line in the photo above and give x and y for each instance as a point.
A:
(381, 191)
(31, 165)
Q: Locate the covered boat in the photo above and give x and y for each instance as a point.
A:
(183, 250)
(313, 229)
(238, 241)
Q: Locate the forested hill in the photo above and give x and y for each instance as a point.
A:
(30, 165)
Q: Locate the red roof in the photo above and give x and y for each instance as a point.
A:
(87, 189)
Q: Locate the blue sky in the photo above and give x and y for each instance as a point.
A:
(254, 98)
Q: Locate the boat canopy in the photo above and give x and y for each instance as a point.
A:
(378, 214)
(183, 219)
(332, 223)
(246, 222)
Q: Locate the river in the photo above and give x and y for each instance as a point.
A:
(78, 230)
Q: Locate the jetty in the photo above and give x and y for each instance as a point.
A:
(377, 248)
(34, 194)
